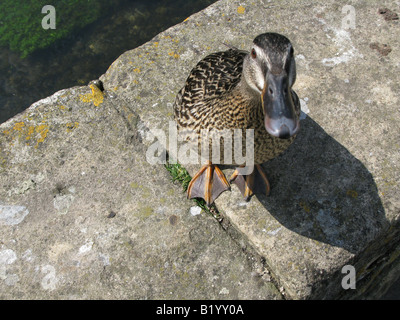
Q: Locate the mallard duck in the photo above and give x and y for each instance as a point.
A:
(236, 89)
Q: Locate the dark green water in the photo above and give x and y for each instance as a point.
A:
(85, 53)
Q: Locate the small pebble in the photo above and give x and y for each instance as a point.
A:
(194, 211)
(112, 214)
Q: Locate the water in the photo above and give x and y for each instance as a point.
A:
(86, 54)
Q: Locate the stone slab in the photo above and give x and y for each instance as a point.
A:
(335, 197)
(334, 201)
(84, 216)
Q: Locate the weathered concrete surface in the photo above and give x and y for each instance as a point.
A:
(84, 216)
(335, 198)
(334, 201)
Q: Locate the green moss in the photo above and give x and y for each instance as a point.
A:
(21, 21)
(179, 173)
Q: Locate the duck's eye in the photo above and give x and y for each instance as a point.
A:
(253, 53)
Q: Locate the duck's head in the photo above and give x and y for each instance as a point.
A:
(270, 72)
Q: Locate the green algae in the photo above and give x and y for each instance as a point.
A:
(21, 22)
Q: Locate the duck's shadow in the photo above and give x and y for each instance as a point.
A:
(321, 191)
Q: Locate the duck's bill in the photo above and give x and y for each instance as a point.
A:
(280, 116)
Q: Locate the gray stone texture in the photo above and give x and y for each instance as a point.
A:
(83, 214)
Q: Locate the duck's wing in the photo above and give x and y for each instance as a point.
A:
(212, 77)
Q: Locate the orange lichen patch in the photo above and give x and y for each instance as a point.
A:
(240, 10)
(173, 54)
(97, 96)
(42, 130)
(22, 132)
(18, 126)
(155, 44)
(172, 39)
(31, 130)
(137, 70)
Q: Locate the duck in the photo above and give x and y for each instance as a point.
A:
(246, 90)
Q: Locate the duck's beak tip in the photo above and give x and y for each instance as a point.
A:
(282, 128)
(281, 119)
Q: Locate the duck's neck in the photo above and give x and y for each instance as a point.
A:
(252, 106)
(247, 92)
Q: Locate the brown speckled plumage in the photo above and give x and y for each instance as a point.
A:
(233, 90)
(212, 98)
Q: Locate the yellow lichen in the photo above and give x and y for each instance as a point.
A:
(97, 96)
(173, 54)
(31, 130)
(137, 70)
(240, 10)
(23, 132)
(18, 126)
(86, 97)
(42, 129)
